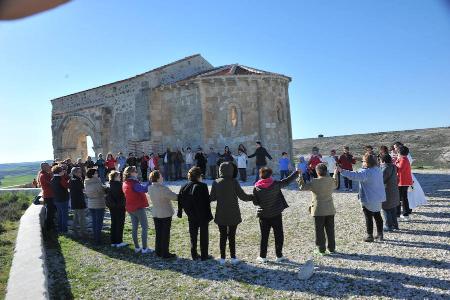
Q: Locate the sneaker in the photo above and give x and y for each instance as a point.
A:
(147, 250)
(387, 229)
(113, 245)
(121, 245)
(379, 237)
(235, 261)
(346, 190)
(137, 250)
(404, 218)
(350, 190)
(369, 239)
(396, 228)
(261, 260)
(222, 261)
(321, 253)
(280, 259)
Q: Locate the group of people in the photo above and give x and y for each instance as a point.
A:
(384, 180)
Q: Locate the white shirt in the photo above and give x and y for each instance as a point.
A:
(331, 163)
(241, 161)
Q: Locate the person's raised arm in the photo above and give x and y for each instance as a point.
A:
(252, 155)
(286, 181)
(354, 175)
(241, 194)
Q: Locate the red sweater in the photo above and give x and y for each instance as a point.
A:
(346, 161)
(44, 181)
(110, 164)
(314, 161)
(404, 171)
(133, 200)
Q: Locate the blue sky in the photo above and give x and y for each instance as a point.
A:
(357, 66)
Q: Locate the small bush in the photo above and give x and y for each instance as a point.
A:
(12, 206)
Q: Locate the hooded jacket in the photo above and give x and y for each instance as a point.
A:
(226, 191)
(270, 199)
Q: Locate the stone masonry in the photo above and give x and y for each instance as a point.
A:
(185, 103)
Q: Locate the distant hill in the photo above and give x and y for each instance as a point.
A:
(12, 174)
(429, 147)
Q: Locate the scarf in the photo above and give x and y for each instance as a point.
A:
(264, 183)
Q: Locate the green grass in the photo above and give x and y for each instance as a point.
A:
(11, 209)
(16, 180)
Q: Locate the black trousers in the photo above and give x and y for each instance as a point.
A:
(213, 172)
(325, 224)
(243, 174)
(348, 183)
(265, 225)
(162, 233)
(403, 190)
(144, 174)
(178, 170)
(117, 224)
(227, 233)
(50, 212)
(194, 227)
(370, 215)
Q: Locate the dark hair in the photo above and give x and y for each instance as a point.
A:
(57, 169)
(368, 147)
(113, 175)
(398, 144)
(386, 158)
(403, 150)
(90, 172)
(188, 148)
(155, 175)
(127, 172)
(322, 169)
(131, 153)
(259, 143)
(315, 148)
(384, 149)
(370, 159)
(265, 172)
(194, 174)
(283, 153)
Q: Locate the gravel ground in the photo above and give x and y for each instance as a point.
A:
(411, 263)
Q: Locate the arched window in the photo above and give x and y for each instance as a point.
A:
(280, 113)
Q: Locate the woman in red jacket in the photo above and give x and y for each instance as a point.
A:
(110, 164)
(404, 180)
(44, 178)
(135, 204)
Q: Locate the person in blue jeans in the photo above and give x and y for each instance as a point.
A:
(95, 193)
(100, 163)
(284, 163)
(59, 185)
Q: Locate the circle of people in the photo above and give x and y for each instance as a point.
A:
(386, 184)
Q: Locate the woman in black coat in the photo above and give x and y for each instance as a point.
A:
(77, 202)
(194, 200)
(115, 200)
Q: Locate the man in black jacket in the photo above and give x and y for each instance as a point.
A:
(260, 154)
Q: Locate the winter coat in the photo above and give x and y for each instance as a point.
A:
(322, 189)
(59, 187)
(371, 187)
(270, 200)
(194, 200)
(161, 198)
(226, 191)
(404, 171)
(135, 197)
(200, 160)
(95, 193)
(44, 182)
(261, 154)
(241, 161)
(390, 186)
(76, 187)
(115, 197)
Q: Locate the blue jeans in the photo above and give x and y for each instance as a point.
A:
(62, 209)
(257, 172)
(102, 174)
(284, 174)
(97, 215)
(390, 218)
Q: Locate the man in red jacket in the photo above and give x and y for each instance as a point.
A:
(44, 178)
(346, 162)
(404, 180)
(314, 160)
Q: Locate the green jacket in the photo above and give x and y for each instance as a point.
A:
(322, 189)
(226, 191)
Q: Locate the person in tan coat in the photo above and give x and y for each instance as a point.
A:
(322, 207)
(95, 192)
(161, 198)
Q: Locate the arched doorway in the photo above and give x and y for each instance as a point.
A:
(72, 138)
